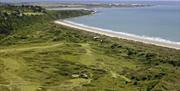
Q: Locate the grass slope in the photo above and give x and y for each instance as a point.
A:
(43, 56)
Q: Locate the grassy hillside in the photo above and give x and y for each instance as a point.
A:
(38, 55)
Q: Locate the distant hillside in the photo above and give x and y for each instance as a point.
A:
(13, 17)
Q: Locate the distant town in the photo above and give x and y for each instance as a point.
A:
(91, 5)
(83, 5)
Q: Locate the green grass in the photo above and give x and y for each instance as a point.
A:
(43, 56)
(54, 66)
(51, 65)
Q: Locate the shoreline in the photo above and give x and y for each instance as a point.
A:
(120, 35)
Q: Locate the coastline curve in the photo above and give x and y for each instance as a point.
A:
(144, 39)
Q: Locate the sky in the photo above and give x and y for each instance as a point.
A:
(79, 0)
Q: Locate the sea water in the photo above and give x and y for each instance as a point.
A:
(159, 22)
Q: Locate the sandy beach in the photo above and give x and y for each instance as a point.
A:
(167, 44)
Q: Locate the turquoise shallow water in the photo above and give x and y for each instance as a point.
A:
(160, 22)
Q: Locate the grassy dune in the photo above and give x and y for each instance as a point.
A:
(43, 56)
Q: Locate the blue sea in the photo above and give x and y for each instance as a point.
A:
(161, 21)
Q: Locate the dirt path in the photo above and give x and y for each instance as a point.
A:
(30, 48)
